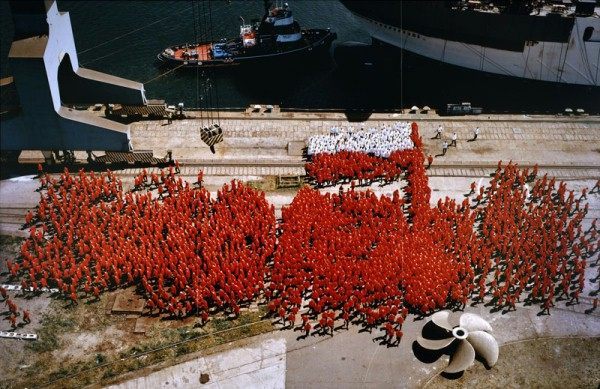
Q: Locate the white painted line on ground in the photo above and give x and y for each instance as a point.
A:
(22, 178)
(17, 335)
(30, 289)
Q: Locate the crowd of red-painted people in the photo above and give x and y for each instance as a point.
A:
(188, 253)
(339, 258)
(354, 256)
(533, 238)
(13, 310)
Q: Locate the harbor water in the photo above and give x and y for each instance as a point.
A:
(124, 37)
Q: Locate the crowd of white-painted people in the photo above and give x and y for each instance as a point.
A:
(380, 142)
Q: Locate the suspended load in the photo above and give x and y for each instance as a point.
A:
(212, 135)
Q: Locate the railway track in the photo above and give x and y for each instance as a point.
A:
(14, 216)
(296, 168)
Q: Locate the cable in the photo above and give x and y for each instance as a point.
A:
(218, 106)
(163, 74)
(584, 57)
(131, 32)
(104, 56)
(202, 83)
(402, 63)
(194, 4)
(208, 86)
(206, 80)
(195, 21)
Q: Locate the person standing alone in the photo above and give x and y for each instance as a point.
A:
(475, 134)
(438, 133)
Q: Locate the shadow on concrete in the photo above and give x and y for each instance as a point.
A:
(356, 116)
(452, 376)
(424, 355)
(11, 170)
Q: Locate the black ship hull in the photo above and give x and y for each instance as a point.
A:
(314, 42)
(541, 44)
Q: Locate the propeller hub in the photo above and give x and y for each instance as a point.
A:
(460, 333)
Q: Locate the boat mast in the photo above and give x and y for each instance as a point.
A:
(267, 5)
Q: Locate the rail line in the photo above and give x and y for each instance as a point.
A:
(261, 168)
(296, 168)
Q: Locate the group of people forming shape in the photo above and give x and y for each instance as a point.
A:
(333, 259)
(379, 142)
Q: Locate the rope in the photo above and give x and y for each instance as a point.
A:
(131, 32)
(104, 56)
(561, 68)
(597, 67)
(163, 74)
(208, 83)
(507, 72)
(402, 62)
(526, 68)
(583, 52)
(195, 4)
(216, 83)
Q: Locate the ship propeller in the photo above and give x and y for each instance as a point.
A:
(470, 333)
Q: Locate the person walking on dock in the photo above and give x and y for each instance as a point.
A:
(429, 160)
(26, 317)
(596, 187)
(454, 138)
(444, 147)
(438, 133)
(475, 134)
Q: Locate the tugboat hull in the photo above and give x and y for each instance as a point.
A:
(316, 41)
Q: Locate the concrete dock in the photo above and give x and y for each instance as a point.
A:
(551, 140)
(260, 145)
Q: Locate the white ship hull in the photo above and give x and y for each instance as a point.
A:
(575, 62)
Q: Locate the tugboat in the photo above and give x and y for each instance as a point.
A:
(276, 36)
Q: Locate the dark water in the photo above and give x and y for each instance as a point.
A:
(124, 37)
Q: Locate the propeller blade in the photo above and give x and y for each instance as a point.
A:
(485, 345)
(431, 344)
(462, 358)
(442, 319)
(472, 322)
